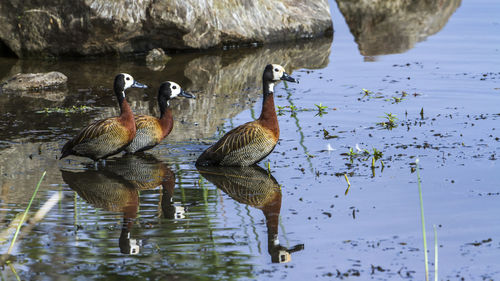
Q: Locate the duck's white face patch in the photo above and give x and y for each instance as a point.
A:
(129, 81)
(175, 90)
(278, 71)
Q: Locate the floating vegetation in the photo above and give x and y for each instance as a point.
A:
(327, 136)
(397, 98)
(390, 121)
(320, 108)
(364, 154)
(66, 110)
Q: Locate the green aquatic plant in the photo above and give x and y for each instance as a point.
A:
(327, 135)
(366, 92)
(390, 121)
(377, 154)
(348, 185)
(66, 110)
(280, 110)
(11, 247)
(426, 259)
(321, 109)
(397, 99)
(364, 154)
(352, 153)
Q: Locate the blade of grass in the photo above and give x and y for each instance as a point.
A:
(25, 214)
(435, 254)
(14, 271)
(348, 184)
(423, 222)
(7, 232)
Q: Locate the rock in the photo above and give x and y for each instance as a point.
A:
(156, 59)
(34, 82)
(388, 27)
(157, 56)
(56, 28)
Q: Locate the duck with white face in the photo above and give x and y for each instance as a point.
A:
(109, 136)
(251, 142)
(151, 130)
(275, 73)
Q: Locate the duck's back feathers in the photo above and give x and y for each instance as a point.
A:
(100, 139)
(242, 146)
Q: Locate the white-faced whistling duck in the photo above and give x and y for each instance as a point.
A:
(151, 130)
(108, 136)
(251, 142)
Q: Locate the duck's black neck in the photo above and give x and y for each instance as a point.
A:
(121, 98)
(119, 90)
(164, 104)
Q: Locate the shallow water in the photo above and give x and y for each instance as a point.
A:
(158, 217)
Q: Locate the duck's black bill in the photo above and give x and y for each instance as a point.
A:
(187, 95)
(288, 78)
(139, 85)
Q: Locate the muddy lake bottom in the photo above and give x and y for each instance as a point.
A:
(156, 216)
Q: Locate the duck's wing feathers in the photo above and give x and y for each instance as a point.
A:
(247, 141)
(107, 132)
(146, 122)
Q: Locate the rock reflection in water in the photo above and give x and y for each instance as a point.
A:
(256, 187)
(388, 27)
(115, 187)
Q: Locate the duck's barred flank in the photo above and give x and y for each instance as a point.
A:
(99, 140)
(148, 134)
(241, 146)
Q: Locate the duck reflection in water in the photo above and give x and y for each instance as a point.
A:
(256, 187)
(116, 186)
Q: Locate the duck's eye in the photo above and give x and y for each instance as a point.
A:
(174, 87)
(276, 70)
(128, 78)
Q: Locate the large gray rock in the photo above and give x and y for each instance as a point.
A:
(387, 27)
(34, 81)
(96, 27)
(49, 85)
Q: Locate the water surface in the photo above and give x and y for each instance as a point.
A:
(156, 216)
